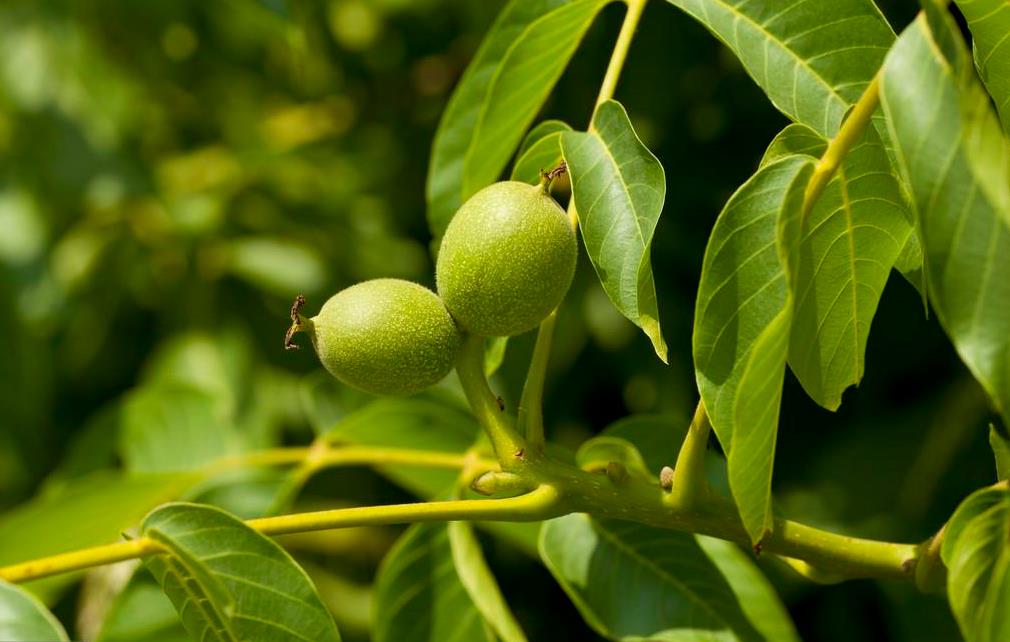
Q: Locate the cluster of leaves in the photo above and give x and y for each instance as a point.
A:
(925, 190)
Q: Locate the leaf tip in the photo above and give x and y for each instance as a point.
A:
(650, 325)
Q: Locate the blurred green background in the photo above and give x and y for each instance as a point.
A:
(173, 173)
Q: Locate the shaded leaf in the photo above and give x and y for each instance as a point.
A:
(540, 151)
(229, 582)
(619, 188)
(24, 619)
(813, 59)
(594, 454)
(951, 151)
(658, 439)
(517, 65)
(851, 239)
(742, 324)
(419, 596)
(976, 550)
(632, 582)
(757, 597)
(989, 22)
(480, 583)
(174, 428)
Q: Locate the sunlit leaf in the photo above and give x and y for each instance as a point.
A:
(989, 22)
(619, 188)
(631, 582)
(976, 550)
(494, 354)
(509, 78)
(540, 151)
(813, 59)
(851, 239)
(480, 583)
(742, 323)
(418, 595)
(24, 619)
(950, 148)
(229, 582)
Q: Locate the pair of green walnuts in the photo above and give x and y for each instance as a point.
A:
(506, 261)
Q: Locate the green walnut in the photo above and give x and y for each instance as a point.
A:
(385, 336)
(507, 259)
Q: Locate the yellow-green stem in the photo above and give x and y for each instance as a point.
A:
(539, 504)
(620, 53)
(509, 446)
(850, 132)
(690, 485)
(531, 415)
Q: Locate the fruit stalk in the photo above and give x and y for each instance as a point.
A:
(509, 446)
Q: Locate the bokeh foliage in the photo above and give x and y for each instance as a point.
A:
(172, 173)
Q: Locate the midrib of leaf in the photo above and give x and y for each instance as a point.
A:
(851, 284)
(176, 566)
(781, 45)
(631, 205)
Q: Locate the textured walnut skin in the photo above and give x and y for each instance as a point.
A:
(506, 260)
(386, 336)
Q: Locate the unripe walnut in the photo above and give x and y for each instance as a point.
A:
(385, 336)
(507, 259)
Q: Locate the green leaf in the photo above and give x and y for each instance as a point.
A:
(540, 151)
(94, 510)
(951, 151)
(1000, 445)
(851, 239)
(508, 80)
(174, 428)
(742, 325)
(596, 453)
(631, 582)
(619, 188)
(989, 22)
(24, 619)
(757, 597)
(229, 582)
(419, 596)
(420, 423)
(658, 439)
(813, 59)
(142, 613)
(480, 583)
(976, 550)
(494, 354)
